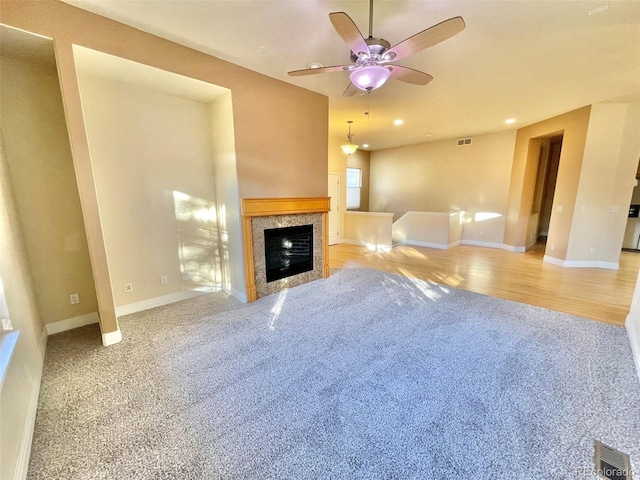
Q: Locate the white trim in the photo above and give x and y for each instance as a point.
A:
(514, 248)
(501, 246)
(581, 263)
(71, 323)
(24, 451)
(158, 301)
(430, 214)
(111, 338)
(237, 294)
(591, 264)
(553, 260)
(633, 331)
(440, 246)
(369, 214)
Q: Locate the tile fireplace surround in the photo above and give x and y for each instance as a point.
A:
(259, 214)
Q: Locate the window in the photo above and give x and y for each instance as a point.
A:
(354, 183)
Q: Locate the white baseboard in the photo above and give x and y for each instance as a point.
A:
(581, 263)
(513, 248)
(71, 323)
(633, 330)
(238, 294)
(501, 246)
(111, 338)
(592, 264)
(157, 302)
(418, 243)
(24, 451)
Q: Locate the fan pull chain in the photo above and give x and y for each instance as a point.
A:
(367, 106)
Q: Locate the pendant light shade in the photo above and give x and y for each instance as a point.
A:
(370, 77)
(349, 148)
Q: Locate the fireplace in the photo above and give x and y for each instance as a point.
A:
(288, 251)
(300, 255)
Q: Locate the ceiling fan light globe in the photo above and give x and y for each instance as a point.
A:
(370, 77)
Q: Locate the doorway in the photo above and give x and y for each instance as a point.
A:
(545, 186)
(631, 239)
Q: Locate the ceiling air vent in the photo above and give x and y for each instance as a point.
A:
(611, 463)
(463, 142)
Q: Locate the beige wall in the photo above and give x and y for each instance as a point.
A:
(607, 179)
(227, 196)
(369, 229)
(19, 390)
(154, 174)
(442, 177)
(46, 193)
(596, 173)
(280, 130)
(430, 229)
(523, 176)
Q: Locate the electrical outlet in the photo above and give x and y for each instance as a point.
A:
(552, 247)
(128, 287)
(593, 250)
(164, 280)
(75, 298)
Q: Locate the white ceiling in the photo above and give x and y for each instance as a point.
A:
(529, 60)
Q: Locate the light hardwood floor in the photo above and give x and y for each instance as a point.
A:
(594, 293)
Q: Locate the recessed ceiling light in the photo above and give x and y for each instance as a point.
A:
(509, 121)
(365, 145)
(314, 65)
(398, 121)
(261, 49)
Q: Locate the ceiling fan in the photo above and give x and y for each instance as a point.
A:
(372, 56)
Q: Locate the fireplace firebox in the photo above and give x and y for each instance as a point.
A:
(288, 251)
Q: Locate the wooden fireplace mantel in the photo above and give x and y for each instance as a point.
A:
(263, 207)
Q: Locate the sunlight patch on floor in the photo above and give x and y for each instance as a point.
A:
(277, 308)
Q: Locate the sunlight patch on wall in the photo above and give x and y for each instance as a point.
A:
(482, 216)
(198, 242)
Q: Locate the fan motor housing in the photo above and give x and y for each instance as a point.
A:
(377, 46)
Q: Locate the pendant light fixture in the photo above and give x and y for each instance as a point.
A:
(349, 148)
